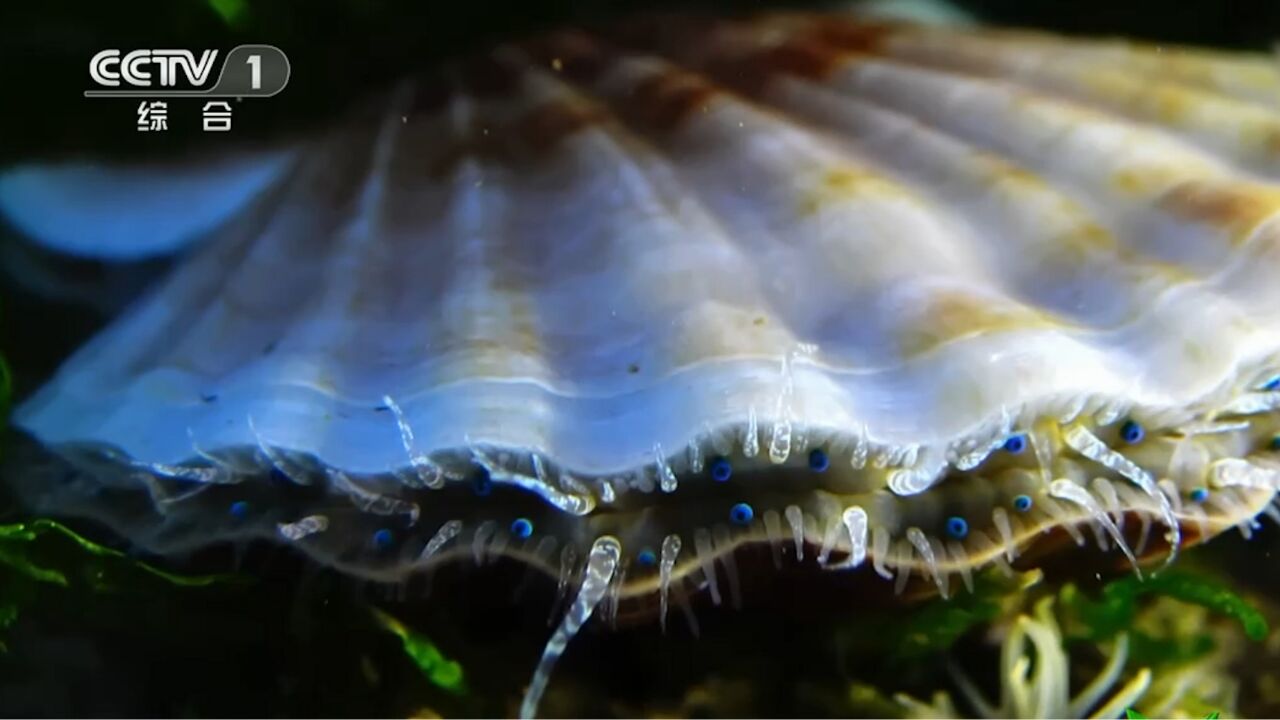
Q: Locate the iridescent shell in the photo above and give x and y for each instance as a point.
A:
(615, 303)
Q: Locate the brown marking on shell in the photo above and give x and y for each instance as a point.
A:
(1146, 179)
(745, 58)
(800, 57)
(750, 71)
(847, 181)
(952, 315)
(1165, 103)
(1271, 142)
(1170, 104)
(1075, 249)
(851, 35)
(1231, 206)
(664, 101)
(545, 126)
(1179, 106)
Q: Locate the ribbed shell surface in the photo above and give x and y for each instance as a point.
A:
(602, 249)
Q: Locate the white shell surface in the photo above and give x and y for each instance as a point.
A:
(927, 237)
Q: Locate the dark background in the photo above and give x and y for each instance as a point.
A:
(268, 650)
(341, 48)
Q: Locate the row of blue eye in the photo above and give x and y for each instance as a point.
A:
(958, 527)
(1131, 432)
(740, 514)
(721, 469)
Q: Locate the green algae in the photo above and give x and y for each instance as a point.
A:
(46, 552)
(936, 626)
(301, 646)
(444, 673)
(12, 554)
(1115, 609)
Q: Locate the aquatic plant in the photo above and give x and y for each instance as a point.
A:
(17, 552)
(29, 554)
(1035, 672)
(56, 581)
(1183, 657)
(1118, 606)
(907, 636)
(441, 671)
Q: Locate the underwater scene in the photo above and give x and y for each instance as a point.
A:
(880, 358)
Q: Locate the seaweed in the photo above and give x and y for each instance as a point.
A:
(138, 626)
(935, 626)
(100, 568)
(442, 672)
(1115, 610)
(31, 554)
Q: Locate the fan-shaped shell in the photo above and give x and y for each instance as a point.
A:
(918, 293)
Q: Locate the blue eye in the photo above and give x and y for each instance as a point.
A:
(741, 514)
(239, 509)
(382, 539)
(818, 460)
(482, 484)
(721, 470)
(522, 528)
(1272, 385)
(647, 557)
(1022, 503)
(1131, 432)
(1016, 443)
(1199, 495)
(957, 527)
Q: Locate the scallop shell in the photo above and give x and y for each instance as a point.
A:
(886, 294)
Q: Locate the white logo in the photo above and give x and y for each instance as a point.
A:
(217, 116)
(139, 68)
(153, 116)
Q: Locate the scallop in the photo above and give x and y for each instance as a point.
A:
(615, 302)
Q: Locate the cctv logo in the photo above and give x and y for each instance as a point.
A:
(138, 67)
(249, 70)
